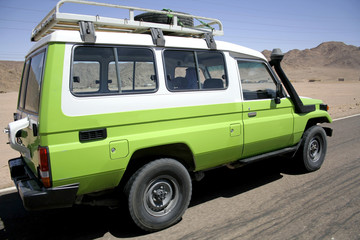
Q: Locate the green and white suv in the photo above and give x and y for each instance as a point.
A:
(143, 107)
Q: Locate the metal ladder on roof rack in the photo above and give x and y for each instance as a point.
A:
(87, 24)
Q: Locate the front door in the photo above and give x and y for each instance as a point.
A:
(268, 126)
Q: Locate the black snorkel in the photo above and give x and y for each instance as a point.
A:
(276, 58)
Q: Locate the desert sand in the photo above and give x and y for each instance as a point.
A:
(7, 108)
(342, 97)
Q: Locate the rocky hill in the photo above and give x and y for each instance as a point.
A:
(10, 74)
(330, 61)
(327, 54)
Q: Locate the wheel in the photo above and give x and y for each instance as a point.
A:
(163, 18)
(313, 148)
(158, 194)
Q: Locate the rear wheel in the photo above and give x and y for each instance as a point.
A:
(313, 148)
(158, 194)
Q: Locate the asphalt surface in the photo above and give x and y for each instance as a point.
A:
(266, 200)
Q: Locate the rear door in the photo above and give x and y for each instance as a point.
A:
(267, 126)
(28, 104)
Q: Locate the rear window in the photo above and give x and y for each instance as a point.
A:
(31, 83)
(112, 70)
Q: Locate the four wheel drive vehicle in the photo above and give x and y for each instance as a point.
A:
(142, 108)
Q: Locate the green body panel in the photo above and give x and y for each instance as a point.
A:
(50, 108)
(215, 134)
(209, 138)
(270, 129)
(300, 120)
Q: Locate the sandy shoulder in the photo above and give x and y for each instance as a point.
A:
(342, 98)
(7, 108)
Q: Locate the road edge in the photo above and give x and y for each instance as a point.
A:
(342, 118)
(8, 190)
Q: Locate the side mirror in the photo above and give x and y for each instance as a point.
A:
(279, 93)
(277, 100)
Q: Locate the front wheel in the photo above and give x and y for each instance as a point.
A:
(158, 194)
(313, 148)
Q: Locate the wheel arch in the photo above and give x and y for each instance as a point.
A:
(314, 121)
(177, 151)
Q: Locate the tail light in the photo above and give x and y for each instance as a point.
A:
(44, 168)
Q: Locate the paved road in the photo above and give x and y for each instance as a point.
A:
(267, 200)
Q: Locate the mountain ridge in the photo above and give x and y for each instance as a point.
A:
(326, 54)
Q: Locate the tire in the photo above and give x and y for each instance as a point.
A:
(163, 18)
(158, 194)
(313, 148)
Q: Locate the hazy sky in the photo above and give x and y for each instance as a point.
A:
(257, 24)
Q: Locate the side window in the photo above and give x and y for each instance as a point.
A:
(112, 70)
(137, 70)
(23, 84)
(181, 70)
(86, 76)
(194, 70)
(256, 80)
(213, 66)
(31, 83)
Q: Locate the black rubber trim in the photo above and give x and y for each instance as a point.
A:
(269, 154)
(328, 131)
(33, 195)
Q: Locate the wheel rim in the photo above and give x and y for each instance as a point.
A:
(315, 149)
(161, 196)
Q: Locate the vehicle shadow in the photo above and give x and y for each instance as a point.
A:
(227, 183)
(86, 222)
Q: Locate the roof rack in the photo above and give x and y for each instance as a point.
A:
(87, 24)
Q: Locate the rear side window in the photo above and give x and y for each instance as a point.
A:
(194, 70)
(112, 70)
(23, 84)
(31, 83)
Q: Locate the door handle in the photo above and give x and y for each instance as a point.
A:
(252, 114)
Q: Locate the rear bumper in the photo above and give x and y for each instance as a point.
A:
(34, 196)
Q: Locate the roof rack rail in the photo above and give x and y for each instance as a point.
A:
(56, 20)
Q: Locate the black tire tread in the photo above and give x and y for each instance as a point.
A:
(130, 191)
(302, 151)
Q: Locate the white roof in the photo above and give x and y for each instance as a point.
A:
(134, 39)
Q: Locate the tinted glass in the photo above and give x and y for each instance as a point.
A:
(194, 70)
(256, 81)
(32, 97)
(181, 70)
(86, 76)
(23, 84)
(113, 70)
